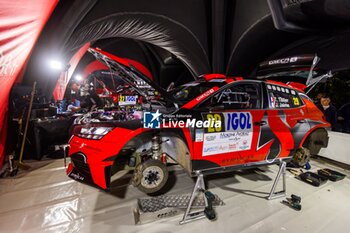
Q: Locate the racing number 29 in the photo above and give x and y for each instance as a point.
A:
(213, 127)
(296, 101)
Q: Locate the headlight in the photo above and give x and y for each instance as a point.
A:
(91, 131)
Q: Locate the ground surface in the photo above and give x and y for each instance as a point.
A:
(43, 199)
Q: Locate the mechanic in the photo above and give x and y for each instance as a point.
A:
(89, 98)
(74, 91)
(318, 98)
(74, 106)
(328, 110)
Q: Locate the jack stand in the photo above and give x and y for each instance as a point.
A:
(282, 171)
(208, 198)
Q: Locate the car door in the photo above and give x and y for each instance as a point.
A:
(239, 108)
(286, 118)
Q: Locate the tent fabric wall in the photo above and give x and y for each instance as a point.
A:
(20, 25)
(93, 66)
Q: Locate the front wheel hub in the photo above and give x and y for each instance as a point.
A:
(152, 177)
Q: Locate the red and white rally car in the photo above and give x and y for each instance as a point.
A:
(213, 124)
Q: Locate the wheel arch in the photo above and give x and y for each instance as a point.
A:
(175, 146)
(316, 139)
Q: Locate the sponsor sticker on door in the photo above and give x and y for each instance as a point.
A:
(236, 136)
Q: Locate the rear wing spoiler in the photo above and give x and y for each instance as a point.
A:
(301, 66)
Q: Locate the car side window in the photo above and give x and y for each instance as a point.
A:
(237, 96)
(283, 97)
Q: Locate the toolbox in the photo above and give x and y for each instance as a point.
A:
(312, 178)
(331, 174)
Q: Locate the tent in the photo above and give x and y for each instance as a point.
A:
(20, 27)
(183, 38)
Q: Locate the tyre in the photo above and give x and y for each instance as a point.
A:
(153, 175)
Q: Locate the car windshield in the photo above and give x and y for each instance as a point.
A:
(189, 91)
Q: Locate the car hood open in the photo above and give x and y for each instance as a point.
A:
(130, 74)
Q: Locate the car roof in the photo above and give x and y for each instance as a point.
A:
(298, 87)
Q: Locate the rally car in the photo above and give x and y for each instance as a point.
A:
(214, 124)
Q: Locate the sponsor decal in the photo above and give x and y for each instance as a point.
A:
(232, 146)
(127, 100)
(235, 136)
(199, 135)
(283, 60)
(210, 150)
(245, 145)
(272, 101)
(210, 138)
(76, 176)
(205, 94)
(296, 101)
(216, 122)
(238, 121)
(236, 158)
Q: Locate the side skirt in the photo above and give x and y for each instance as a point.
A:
(217, 169)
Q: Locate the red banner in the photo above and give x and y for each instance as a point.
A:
(21, 22)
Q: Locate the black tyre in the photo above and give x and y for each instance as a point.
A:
(153, 176)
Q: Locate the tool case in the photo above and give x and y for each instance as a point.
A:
(312, 178)
(331, 174)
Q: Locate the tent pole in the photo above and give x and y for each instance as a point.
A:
(20, 161)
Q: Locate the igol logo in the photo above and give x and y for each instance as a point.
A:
(240, 121)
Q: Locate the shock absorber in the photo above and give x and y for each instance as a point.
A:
(156, 147)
